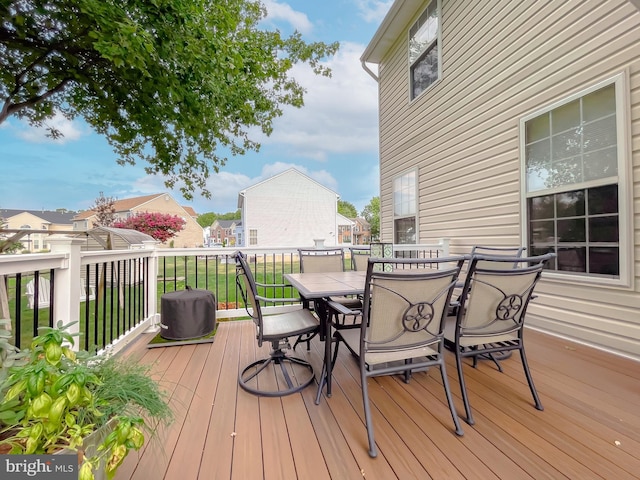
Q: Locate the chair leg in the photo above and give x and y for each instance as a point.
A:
(527, 372)
(452, 408)
(373, 451)
(463, 389)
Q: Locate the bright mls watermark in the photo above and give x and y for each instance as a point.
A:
(46, 467)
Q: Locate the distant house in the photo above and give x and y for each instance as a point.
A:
(518, 123)
(223, 232)
(190, 236)
(345, 230)
(288, 210)
(361, 231)
(37, 220)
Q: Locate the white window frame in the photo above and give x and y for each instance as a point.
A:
(253, 236)
(437, 40)
(624, 181)
(413, 215)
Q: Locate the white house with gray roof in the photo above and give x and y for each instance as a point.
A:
(288, 210)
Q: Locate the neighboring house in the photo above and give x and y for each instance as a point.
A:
(511, 122)
(223, 232)
(51, 221)
(361, 231)
(190, 236)
(288, 210)
(345, 230)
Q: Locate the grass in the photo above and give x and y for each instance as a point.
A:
(175, 273)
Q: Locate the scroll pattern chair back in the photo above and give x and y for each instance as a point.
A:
(405, 301)
(492, 312)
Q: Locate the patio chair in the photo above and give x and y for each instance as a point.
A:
(44, 292)
(405, 301)
(328, 260)
(492, 311)
(293, 374)
(359, 258)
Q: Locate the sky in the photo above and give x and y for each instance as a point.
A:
(333, 139)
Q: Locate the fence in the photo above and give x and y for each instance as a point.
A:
(111, 296)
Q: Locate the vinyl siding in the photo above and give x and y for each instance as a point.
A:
(501, 61)
(290, 210)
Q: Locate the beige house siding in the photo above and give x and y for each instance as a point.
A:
(501, 61)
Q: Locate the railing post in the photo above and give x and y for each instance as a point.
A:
(445, 246)
(152, 288)
(66, 305)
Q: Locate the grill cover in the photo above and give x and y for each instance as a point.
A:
(187, 314)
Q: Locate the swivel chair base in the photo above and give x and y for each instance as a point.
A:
(284, 366)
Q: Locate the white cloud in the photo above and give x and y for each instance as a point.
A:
(281, 11)
(373, 11)
(340, 114)
(69, 129)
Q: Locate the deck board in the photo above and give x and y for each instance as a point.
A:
(590, 427)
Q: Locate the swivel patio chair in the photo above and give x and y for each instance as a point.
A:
(293, 374)
(492, 311)
(405, 301)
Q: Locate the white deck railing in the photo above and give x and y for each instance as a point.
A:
(68, 265)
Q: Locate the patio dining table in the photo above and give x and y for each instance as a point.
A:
(318, 288)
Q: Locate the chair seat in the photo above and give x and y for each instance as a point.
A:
(352, 339)
(471, 340)
(349, 302)
(289, 324)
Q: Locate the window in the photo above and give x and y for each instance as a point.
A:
(424, 49)
(573, 171)
(253, 237)
(404, 208)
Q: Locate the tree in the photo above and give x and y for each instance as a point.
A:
(168, 83)
(105, 211)
(371, 214)
(206, 219)
(161, 226)
(347, 209)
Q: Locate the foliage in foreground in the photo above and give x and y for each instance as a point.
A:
(53, 399)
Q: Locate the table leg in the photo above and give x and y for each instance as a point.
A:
(323, 313)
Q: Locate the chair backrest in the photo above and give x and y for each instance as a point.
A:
(248, 291)
(321, 260)
(494, 299)
(359, 258)
(44, 292)
(515, 251)
(404, 306)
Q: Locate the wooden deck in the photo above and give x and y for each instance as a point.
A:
(590, 427)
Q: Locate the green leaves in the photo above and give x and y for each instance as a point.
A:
(56, 399)
(168, 83)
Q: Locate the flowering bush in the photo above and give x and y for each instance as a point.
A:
(161, 226)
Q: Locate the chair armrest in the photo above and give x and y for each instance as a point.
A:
(278, 300)
(271, 285)
(342, 310)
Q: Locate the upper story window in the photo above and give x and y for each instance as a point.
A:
(576, 195)
(424, 49)
(404, 208)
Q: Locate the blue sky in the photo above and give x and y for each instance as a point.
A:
(333, 138)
